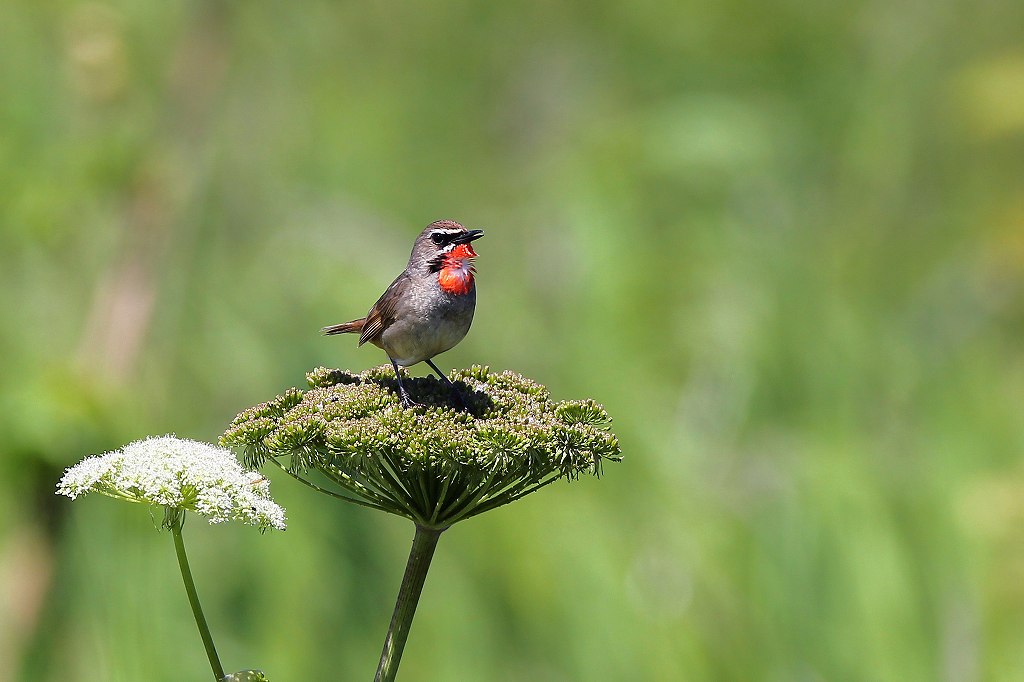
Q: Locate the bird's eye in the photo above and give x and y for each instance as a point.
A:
(437, 238)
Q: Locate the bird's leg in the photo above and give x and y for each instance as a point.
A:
(440, 375)
(456, 396)
(402, 393)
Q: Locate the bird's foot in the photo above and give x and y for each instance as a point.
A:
(407, 402)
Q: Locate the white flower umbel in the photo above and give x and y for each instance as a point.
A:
(181, 476)
(178, 474)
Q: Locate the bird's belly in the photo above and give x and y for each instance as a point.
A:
(410, 341)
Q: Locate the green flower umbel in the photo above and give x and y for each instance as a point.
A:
(434, 465)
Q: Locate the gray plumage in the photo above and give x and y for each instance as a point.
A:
(416, 318)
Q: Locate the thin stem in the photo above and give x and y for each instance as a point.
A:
(314, 486)
(441, 498)
(193, 598)
(502, 500)
(423, 544)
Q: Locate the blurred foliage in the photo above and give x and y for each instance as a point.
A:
(783, 243)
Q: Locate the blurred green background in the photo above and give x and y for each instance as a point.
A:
(782, 242)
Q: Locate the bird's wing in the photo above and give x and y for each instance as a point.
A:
(383, 312)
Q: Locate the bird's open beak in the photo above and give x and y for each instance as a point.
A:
(468, 236)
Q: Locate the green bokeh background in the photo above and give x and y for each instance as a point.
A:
(782, 242)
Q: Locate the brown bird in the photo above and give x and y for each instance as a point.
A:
(428, 308)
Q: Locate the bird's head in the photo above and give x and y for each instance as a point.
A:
(445, 247)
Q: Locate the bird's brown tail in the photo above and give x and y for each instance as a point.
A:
(353, 327)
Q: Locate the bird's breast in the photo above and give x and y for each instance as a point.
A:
(456, 278)
(429, 322)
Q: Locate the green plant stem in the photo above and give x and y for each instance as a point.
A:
(423, 545)
(193, 599)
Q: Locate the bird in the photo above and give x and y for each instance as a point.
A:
(429, 307)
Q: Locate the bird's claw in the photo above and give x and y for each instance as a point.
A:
(408, 403)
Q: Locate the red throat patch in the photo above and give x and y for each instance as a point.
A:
(462, 252)
(456, 277)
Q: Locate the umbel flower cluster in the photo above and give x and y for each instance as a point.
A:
(433, 464)
(178, 474)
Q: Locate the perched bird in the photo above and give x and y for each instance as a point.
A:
(429, 307)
